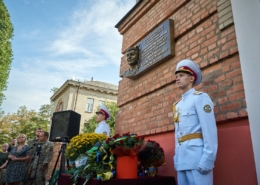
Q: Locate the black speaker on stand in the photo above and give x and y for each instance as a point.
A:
(65, 125)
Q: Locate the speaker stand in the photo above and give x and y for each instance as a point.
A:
(65, 141)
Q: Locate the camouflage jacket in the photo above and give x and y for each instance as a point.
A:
(43, 155)
(31, 143)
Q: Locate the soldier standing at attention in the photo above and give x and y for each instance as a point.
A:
(43, 160)
(195, 129)
(102, 115)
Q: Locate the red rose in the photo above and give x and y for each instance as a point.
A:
(116, 136)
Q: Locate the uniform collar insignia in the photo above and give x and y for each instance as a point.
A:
(197, 92)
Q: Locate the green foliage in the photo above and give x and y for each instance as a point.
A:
(54, 89)
(126, 140)
(6, 128)
(24, 121)
(6, 33)
(91, 124)
(100, 161)
(31, 120)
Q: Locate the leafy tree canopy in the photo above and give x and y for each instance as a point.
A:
(91, 124)
(24, 121)
(6, 34)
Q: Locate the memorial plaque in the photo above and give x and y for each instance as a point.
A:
(155, 48)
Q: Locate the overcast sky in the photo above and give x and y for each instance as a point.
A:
(56, 40)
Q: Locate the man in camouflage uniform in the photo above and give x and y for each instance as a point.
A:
(31, 142)
(43, 157)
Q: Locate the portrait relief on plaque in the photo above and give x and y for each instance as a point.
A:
(132, 57)
(157, 47)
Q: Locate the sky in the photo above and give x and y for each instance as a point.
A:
(57, 40)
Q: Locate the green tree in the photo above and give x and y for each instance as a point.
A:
(6, 128)
(54, 89)
(24, 121)
(6, 34)
(29, 120)
(91, 124)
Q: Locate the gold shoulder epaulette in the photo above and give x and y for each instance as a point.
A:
(197, 92)
(175, 118)
(175, 103)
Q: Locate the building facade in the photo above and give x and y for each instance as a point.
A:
(212, 35)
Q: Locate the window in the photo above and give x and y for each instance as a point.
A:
(59, 106)
(101, 102)
(90, 103)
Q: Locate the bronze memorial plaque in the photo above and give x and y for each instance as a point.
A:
(155, 48)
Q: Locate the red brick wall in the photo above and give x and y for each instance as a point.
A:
(146, 103)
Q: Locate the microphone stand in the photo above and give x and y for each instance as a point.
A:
(30, 165)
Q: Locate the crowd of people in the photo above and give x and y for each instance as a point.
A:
(25, 161)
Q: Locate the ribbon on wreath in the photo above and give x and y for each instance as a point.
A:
(105, 176)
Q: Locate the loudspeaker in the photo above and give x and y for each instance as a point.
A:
(64, 124)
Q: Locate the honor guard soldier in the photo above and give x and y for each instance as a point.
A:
(195, 129)
(102, 115)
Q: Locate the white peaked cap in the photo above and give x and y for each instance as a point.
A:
(105, 111)
(191, 67)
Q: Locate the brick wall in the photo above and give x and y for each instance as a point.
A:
(146, 103)
(225, 15)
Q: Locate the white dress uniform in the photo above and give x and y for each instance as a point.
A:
(103, 128)
(195, 134)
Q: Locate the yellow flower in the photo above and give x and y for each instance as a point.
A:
(82, 142)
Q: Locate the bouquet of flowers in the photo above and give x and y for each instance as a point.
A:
(102, 156)
(81, 143)
(101, 163)
(151, 155)
(124, 145)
